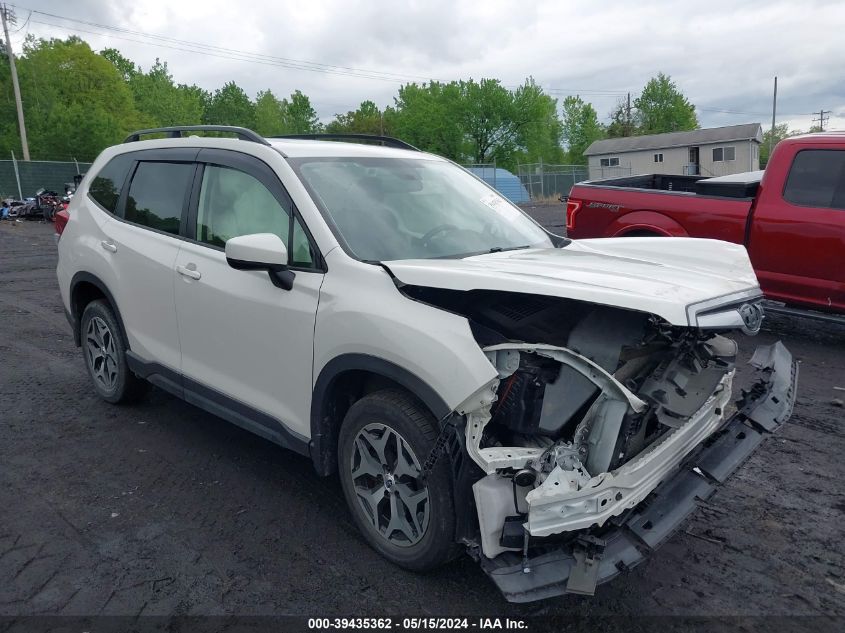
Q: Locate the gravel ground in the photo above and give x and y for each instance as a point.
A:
(160, 508)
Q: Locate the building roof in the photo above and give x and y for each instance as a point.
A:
(744, 132)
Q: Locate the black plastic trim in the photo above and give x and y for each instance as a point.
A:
(324, 429)
(242, 133)
(386, 141)
(280, 275)
(96, 281)
(219, 404)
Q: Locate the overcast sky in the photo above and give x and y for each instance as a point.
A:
(722, 54)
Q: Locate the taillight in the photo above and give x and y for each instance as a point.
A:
(572, 207)
(60, 222)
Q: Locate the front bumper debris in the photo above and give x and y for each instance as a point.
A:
(596, 556)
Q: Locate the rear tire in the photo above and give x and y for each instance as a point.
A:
(104, 349)
(384, 440)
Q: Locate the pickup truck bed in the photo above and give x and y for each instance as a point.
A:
(790, 218)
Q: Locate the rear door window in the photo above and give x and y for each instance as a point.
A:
(157, 195)
(107, 184)
(817, 179)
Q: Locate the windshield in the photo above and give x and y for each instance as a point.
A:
(389, 209)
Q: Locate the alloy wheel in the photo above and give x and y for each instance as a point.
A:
(387, 480)
(101, 352)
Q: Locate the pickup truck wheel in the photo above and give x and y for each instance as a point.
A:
(384, 440)
(105, 355)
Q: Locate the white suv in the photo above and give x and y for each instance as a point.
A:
(554, 407)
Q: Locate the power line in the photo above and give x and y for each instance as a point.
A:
(161, 41)
(219, 51)
(824, 115)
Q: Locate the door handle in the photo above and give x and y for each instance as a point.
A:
(110, 246)
(189, 271)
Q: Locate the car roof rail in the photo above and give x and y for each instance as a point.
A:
(177, 131)
(386, 141)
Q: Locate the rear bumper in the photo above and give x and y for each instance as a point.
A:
(598, 555)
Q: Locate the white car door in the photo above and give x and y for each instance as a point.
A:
(141, 243)
(247, 345)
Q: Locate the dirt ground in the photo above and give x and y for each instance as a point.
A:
(160, 508)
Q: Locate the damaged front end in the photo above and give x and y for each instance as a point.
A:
(593, 451)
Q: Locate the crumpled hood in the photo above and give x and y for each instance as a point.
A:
(658, 275)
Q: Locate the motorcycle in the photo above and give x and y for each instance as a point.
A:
(43, 206)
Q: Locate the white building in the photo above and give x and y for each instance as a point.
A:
(717, 151)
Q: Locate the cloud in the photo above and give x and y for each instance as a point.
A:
(722, 55)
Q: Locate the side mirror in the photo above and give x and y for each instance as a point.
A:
(261, 251)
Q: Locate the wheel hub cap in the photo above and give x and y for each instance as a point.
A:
(386, 476)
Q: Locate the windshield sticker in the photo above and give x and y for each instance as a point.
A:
(500, 205)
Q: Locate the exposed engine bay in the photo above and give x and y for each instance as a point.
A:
(592, 409)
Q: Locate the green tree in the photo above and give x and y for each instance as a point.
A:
(781, 132)
(301, 118)
(367, 119)
(621, 121)
(125, 67)
(427, 116)
(497, 121)
(230, 105)
(580, 128)
(662, 107)
(76, 102)
(270, 115)
(478, 121)
(540, 140)
(488, 117)
(163, 103)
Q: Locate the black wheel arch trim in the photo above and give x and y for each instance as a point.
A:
(324, 429)
(75, 314)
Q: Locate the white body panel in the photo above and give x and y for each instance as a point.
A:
(662, 276)
(143, 288)
(245, 338)
(377, 320)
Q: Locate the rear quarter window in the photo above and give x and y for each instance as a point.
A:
(817, 179)
(157, 195)
(106, 186)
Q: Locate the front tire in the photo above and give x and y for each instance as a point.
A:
(104, 349)
(384, 440)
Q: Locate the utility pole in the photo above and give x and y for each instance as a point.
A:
(774, 112)
(7, 15)
(824, 115)
(628, 117)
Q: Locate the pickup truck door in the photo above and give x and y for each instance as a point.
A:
(797, 237)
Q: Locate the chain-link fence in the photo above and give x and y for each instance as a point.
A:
(21, 179)
(617, 171)
(550, 181)
(503, 181)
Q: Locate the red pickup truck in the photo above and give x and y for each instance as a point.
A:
(791, 217)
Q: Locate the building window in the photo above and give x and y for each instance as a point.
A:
(609, 162)
(724, 154)
(658, 158)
